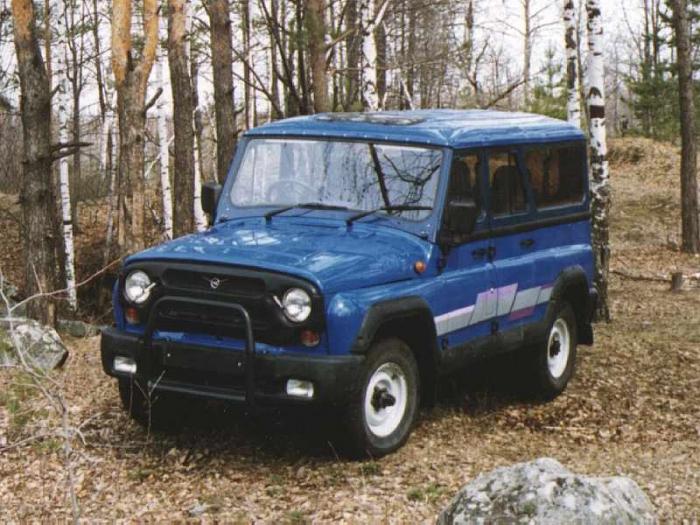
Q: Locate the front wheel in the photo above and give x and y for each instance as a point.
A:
(555, 359)
(151, 412)
(383, 411)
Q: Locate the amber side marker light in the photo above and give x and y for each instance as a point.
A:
(132, 315)
(419, 266)
(310, 338)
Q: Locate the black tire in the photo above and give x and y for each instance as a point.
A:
(553, 364)
(156, 413)
(385, 357)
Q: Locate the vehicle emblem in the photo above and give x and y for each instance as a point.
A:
(214, 282)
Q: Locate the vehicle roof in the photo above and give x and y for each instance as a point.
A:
(441, 127)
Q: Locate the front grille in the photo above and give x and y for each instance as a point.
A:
(221, 322)
(253, 289)
(214, 282)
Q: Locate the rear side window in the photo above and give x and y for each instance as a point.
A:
(507, 188)
(556, 174)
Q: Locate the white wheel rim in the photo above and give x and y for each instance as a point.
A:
(558, 348)
(386, 398)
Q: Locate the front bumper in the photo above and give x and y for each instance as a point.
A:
(241, 376)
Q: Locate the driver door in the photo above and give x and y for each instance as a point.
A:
(469, 301)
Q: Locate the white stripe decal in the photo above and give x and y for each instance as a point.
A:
(492, 303)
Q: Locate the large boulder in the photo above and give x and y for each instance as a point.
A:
(543, 491)
(40, 345)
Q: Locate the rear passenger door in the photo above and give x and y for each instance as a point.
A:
(513, 246)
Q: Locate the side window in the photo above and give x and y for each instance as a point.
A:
(464, 177)
(556, 174)
(507, 187)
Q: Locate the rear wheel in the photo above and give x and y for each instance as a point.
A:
(383, 411)
(555, 359)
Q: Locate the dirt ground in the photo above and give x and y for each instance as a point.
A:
(632, 409)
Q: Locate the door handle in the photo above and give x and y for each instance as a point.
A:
(480, 253)
(527, 243)
(484, 252)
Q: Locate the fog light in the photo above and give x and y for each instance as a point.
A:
(125, 365)
(310, 338)
(299, 388)
(132, 315)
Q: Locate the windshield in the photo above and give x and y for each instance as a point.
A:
(354, 175)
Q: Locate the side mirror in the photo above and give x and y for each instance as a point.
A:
(211, 191)
(461, 217)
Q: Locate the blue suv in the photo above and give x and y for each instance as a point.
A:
(356, 258)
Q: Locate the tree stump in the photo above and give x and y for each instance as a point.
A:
(676, 281)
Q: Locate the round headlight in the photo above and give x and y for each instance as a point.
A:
(297, 305)
(137, 287)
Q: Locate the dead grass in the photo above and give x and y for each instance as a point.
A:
(632, 409)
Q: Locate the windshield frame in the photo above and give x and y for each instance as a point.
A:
(426, 227)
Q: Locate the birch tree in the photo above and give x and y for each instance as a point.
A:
(200, 220)
(164, 149)
(183, 173)
(131, 71)
(573, 104)
(689, 182)
(63, 96)
(600, 184)
(369, 20)
(36, 196)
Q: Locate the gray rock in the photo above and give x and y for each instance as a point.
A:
(41, 346)
(10, 293)
(543, 491)
(78, 328)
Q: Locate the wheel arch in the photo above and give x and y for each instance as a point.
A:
(411, 320)
(573, 287)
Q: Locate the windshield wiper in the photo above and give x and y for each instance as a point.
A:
(405, 207)
(305, 205)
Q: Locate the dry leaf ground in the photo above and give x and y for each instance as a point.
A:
(632, 409)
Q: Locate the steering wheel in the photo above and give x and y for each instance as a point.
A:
(300, 188)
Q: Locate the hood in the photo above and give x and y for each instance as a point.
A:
(328, 254)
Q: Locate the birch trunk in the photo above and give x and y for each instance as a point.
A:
(689, 181)
(600, 184)
(370, 96)
(37, 197)
(573, 104)
(164, 154)
(353, 55)
(222, 60)
(247, 81)
(107, 168)
(64, 97)
(200, 220)
(527, 51)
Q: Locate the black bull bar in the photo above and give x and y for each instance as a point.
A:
(249, 353)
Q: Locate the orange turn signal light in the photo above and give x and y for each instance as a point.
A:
(132, 315)
(310, 338)
(419, 267)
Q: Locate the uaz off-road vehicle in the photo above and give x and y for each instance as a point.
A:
(356, 258)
